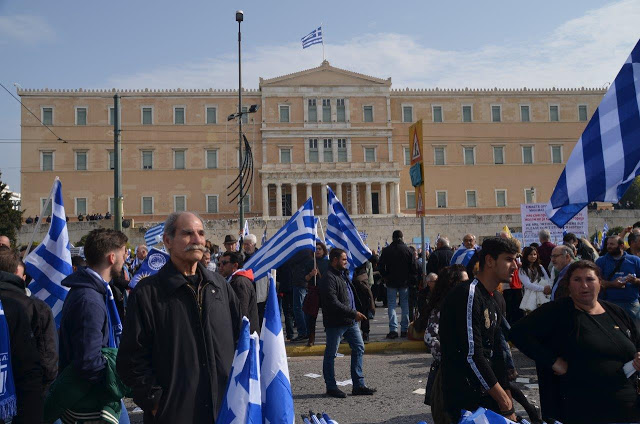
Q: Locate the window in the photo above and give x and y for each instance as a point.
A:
(179, 159)
(147, 116)
(212, 159)
(285, 155)
(410, 199)
(179, 203)
(501, 198)
(438, 156)
(407, 155)
(212, 115)
(245, 115)
(328, 150)
(496, 113)
(81, 116)
(342, 150)
(407, 113)
(147, 159)
(212, 203)
(246, 204)
(312, 110)
(498, 155)
(47, 115)
(43, 202)
(178, 115)
(437, 113)
(582, 113)
(112, 160)
(554, 114)
(326, 110)
(369, 154)
(524, 113)
(46, 161)
(81, 161)
(556, 154)
(467, 115)
(527, 154)
(471, 199)
(112, 115)
(469, 155)
(313, 150)
(81, 206)
(284, 113)
(112, 205)
(147, 205)
(441, 199)
(368, 113)
(341, 113)
(529, 195)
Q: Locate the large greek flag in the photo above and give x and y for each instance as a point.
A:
(314, 37)
(606, 158)
(483, 416)
(50, 262)
(297, 234)
(462, 256)
(343, 233)
(153, 235)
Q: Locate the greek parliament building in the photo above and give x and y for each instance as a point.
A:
(486, 151)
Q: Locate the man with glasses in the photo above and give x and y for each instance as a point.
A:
(561, 258)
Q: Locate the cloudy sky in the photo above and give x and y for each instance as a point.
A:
(193, 44)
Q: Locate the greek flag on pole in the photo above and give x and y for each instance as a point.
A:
(343, 233)
(153, 235)
(264, 237)
(314, 37)
(297, 234)
(606, 158)
(50, 262)
(277, 399)
(242, 403)
(605, 230)
(245, 231)
(462, 256)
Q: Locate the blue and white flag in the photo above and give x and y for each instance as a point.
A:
(343, 233)
(264, 237)
(277, 399)
(245, 231)
(296, 235)
(462, 256)
(483, 416)
(50, 262)
(314, 37)
(606, 158)
(150, 266)
(242, 403)
(605, 230)
(153, 235)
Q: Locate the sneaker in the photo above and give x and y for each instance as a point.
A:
(336, 393)
(403, 334)
(300, 338)
(363, 391)
(392, 335)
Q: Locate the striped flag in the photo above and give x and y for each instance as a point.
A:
(605, 230)
(483, 416)
(343, 233)
(264, 237)
(50, 262)
(462, 256)
(314, 37)
(606, 158)
(297, 234)
(245, 231)
(153, 235)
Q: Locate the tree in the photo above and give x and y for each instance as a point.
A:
(10, 218)
(632, 195)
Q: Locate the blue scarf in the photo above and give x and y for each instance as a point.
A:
(8, 406)
(115, 326)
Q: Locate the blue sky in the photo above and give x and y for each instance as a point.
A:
(192, 44)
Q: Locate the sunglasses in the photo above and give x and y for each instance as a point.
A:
(222, 263)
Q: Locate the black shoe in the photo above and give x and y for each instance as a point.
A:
(365, 337)
(336, 393)
(300, 338)
(363, 391)
(392, 335)
(403, 334)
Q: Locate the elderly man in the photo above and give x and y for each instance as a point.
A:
(262, 285)
(441, 257)
(4, 241)
(230, 243)
(180, 332)
(141, 255)
(561, 258)
(545, 248)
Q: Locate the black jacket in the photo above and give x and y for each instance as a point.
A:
(334, 298)
(439, 259)
(43, 326)
(176, 351)
(397, 265)
(245, 291)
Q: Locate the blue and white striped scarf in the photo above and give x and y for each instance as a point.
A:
(113, 318)
(8, 405)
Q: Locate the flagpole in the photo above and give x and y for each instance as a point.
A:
(37, 227)
(322, 230)
(323, 58)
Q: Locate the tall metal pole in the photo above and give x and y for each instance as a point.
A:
(117, 166)
(239, 18)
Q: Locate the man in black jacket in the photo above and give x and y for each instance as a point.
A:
(441, 257)
(398, 266)
(241, 281)
(180, 332)
(340, 318)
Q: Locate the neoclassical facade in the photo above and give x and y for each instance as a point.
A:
(486, 151)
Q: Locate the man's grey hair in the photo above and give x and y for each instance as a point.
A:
(170, 223)
(544, 235)
(444, 241)
(250, 238)
(432, 276)
(566, 250)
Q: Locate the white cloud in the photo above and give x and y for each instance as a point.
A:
(586, 51)
(25, 28)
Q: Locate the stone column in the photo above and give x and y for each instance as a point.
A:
(396, 190)
(339, 191)
(294, 198)
(383, 198)
(392, 194)
(309, 191)
(324, 199)
(265, 201)
(354, 198)
(278, 200)
(368, 206)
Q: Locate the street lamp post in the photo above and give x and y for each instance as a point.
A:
(239, 19)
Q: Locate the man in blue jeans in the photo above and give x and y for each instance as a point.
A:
(340, 318)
